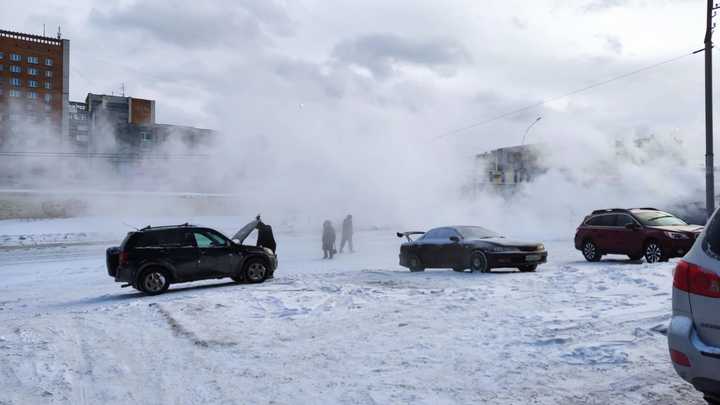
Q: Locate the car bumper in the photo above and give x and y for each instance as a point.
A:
(678, 247)
(124, 275)
(704, 360)
(516, 259)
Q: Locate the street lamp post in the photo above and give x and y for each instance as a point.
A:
(528, 129)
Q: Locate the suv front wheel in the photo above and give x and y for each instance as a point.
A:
(256, 271)
(590, 251)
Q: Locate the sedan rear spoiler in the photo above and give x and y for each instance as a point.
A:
(406, 235)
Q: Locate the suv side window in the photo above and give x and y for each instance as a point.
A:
(711, 244)
(602, 220)
(176, 238)
(624, 219)
(206, 239)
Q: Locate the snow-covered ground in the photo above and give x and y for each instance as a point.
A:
(357, 330)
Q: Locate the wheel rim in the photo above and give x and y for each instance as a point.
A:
(154, 281)
(653, 253)
(589, 250)
(478, 263)
(256, 271)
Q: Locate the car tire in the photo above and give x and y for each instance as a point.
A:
(654, 252)
(153, 281)
(479, 262)
(256, 271)
(414, 264)
(590, 251)
(528, 268)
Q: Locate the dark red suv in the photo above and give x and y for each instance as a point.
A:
(635, 232)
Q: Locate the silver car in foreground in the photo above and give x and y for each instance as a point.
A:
(694, 333)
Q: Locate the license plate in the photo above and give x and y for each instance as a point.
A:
(532, 258)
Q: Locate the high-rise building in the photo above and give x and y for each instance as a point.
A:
(34, 85)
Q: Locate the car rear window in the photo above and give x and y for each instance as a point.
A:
(711, 244)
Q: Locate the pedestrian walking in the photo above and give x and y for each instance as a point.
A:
(328, 240)
(347, 234)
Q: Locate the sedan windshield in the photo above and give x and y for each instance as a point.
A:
(658, 218)
(476, 232)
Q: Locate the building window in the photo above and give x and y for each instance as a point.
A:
(33, 83)
(48, 62)
(32, 71)
(48, 98)
(48, 85)
(48, 73)
(33, 59)
(2, 67)
(15, 82)
(146, 136)
(2, 55)
(32, 95)
(15, 93)
(15, 57)
(15, 69)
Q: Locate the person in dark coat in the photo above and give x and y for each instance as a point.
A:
(328, 240)
(265, 236)
(347, 234)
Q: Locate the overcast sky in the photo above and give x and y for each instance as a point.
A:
(376, 68)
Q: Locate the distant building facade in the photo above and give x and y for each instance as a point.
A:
(509, 166)
(126, 125)
(34, 84)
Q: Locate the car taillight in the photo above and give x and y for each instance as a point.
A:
(694, 279)
(679, 358)
(123, 258)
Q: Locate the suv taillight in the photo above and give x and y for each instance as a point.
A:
(696, 280)
(123, 258)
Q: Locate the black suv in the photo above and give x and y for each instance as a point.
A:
(152, 258)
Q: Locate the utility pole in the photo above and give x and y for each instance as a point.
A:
(709, 164)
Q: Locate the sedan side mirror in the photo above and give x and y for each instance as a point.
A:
(455, 239)
(632, 226)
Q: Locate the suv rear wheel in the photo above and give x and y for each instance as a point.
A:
(654, 252)
(153, 281)
(590, 251)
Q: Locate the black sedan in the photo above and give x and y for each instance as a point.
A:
(468, 247)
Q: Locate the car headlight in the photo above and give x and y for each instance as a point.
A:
(268, 251)
(541, 247)
(498, 249)
(676, 235)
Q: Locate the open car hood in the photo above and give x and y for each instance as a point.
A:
(243, 233)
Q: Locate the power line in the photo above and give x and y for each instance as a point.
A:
(560, 97)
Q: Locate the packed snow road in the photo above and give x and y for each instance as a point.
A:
(356, 330)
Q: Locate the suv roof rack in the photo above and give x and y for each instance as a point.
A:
(149, 227)
(607, 210)
(645, 208)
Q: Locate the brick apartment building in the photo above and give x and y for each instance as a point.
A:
(34, 84)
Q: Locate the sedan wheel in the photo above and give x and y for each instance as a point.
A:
(653, 253)
(255, 271)
(154, 282)
(415, 264)
(590, 252)
(478, 262)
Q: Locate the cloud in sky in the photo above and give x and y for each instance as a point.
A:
(418, 66)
